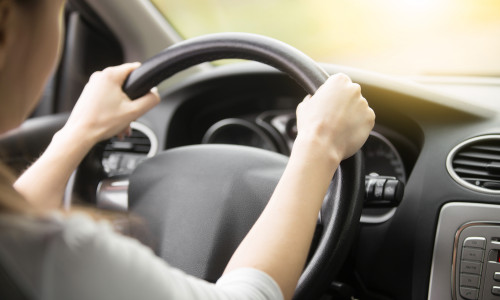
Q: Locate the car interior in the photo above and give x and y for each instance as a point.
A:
(415, 214)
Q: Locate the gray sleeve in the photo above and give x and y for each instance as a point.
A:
(91, 261)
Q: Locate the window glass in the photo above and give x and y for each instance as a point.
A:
(408, 37)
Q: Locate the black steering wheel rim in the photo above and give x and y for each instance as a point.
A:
(341, 213)
(188, 53)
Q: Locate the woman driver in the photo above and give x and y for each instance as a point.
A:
(54, 255)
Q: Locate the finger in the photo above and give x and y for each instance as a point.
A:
(332, 85)
(121, 72)
(143, 104)
(341, 77)
(373, 116)
(356, 88)
(125, 133)
(155, 91)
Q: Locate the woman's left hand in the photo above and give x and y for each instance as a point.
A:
(103, 109)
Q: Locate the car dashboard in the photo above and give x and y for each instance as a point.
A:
(416, 131)
(411, 247)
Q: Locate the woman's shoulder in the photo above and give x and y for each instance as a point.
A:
(74, 234)
(28, 238)
(27, 227)
(42, 253)
(27, 244)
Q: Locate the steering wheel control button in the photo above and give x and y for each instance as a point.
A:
(469, 280)
(472, 254)
(379, 189)
(383, 191)
(394, 190)
(471, 267)
(495, 290)
(475, 242)
(469, 293)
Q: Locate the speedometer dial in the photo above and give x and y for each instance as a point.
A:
(238, 132)
(382, 158)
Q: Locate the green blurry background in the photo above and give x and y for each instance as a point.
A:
(409, 37)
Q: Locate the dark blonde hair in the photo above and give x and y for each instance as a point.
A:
(12, 202)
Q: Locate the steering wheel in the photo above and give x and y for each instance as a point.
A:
(200, 201)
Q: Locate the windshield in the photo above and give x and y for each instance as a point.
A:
(405, 37)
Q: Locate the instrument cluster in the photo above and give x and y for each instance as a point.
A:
(277, 130)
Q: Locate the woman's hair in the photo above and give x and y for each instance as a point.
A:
(26, 5)
(12, 202)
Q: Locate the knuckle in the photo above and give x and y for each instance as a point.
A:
(95, 75)
(107, 73)
(356, 88)
(343, 77)
(299, 108)
(372, 116)
(364, 101)
(135, 109)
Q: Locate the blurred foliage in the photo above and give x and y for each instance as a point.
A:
(396, 36)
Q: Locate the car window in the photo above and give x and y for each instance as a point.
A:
(406, 37)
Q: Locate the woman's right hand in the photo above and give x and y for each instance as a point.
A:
(337, 119)
(332, 125)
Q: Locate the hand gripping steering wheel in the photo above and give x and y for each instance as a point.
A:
(200, 201)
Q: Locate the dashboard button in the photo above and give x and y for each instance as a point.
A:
(469, 280)
(495, 290)
(496, 276)
(472, 254)
(470, 267)
(475, 242)
(469, 293)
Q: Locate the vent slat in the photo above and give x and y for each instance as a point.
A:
(138, 140)
(492, 148)
(470, 163)
(490, 184)
(474, 179)
(142, 148)
(479, 155)
(483, 174)
(135, 140)
(137, 143)
(477, 163)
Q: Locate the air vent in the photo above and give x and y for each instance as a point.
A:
(121, 156)
(475, 164)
